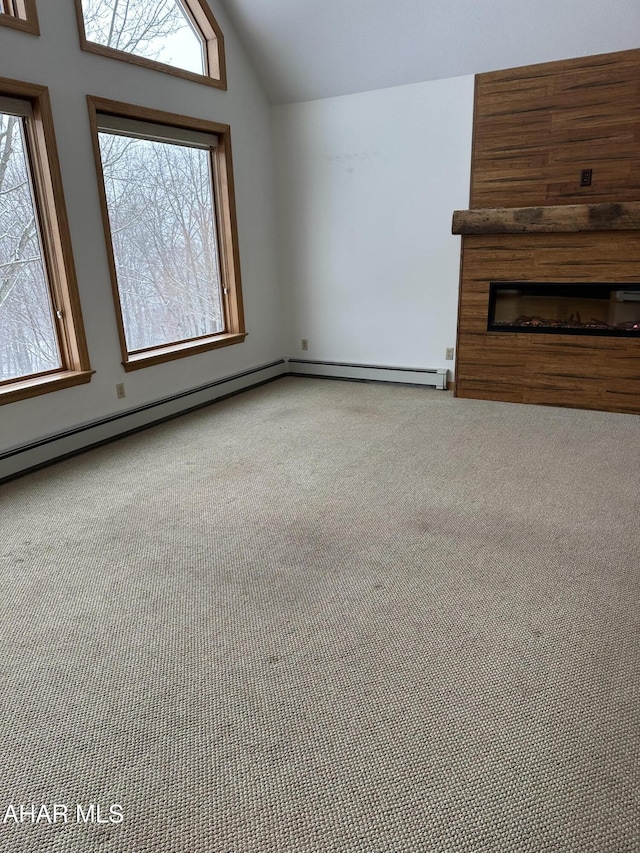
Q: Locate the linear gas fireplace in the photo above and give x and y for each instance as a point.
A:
(567, 309)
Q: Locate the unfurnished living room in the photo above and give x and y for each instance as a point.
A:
(319, 426)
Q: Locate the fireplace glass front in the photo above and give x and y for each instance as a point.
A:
(567, 309)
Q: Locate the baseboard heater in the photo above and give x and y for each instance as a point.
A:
(436, 378)
(37, 454)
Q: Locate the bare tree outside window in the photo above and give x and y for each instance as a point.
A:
(28, 343)
(160, 30)
(162, 218)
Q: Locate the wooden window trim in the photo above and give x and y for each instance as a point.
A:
(36, 385)
(56, 248)
(224, 194)
(202, 16)
(24, 18)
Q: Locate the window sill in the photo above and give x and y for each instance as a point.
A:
(158, 355)
(25, 388)
(135, 59)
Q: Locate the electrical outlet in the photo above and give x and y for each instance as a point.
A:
(120, 390)
(305, 344)
(585, 177)
(449, 354)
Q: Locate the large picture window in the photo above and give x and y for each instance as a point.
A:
(42, 345)
(20, 14)
(167, 192)
(177, 36)
(28, 339)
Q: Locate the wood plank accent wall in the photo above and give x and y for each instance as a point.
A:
(535, 129)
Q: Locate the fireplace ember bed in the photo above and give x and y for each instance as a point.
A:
(565, 308)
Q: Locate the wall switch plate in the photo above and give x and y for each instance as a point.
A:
(120, 390)
(449, 354)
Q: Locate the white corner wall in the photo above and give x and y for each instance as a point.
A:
(367, 187)
(55, 59)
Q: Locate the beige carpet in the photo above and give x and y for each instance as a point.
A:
(327, 616)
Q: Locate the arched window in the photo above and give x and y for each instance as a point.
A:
(176, 36)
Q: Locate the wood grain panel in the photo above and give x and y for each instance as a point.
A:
(538, 126)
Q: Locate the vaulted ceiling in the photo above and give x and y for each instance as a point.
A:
(308, 49)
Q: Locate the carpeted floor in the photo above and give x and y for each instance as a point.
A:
(327, 616)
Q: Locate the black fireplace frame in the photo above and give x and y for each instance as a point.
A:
(598, 290)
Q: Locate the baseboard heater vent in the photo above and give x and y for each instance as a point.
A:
(436, 378)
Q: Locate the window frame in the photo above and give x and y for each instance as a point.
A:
(50, 208)
(226, 225)
(24, 17)
(203, 19)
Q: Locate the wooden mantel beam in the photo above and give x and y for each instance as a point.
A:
(561, 218)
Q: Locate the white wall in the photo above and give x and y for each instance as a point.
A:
(55, 59)
(367, 187)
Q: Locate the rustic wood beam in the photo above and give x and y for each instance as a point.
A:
(561, 218)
